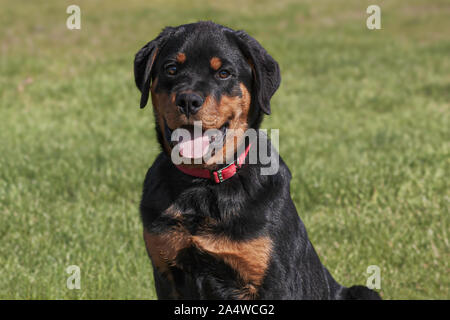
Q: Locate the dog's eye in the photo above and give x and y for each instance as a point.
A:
(171, 69)
(224, 74)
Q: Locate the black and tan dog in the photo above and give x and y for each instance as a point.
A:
(226, 234)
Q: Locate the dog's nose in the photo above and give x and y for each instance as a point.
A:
(189, 103)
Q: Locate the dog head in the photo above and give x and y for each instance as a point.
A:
(209, 74)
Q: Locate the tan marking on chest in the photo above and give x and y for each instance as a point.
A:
(249, 258)
(249, 292)
(164, 248)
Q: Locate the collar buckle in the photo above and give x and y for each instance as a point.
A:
(220, 172)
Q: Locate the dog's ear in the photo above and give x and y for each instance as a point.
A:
(266, 72)
(144, 61)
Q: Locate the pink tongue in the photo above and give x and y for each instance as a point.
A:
(194, 148)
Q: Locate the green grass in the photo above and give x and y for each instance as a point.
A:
(364, 128)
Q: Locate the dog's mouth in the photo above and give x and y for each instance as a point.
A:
(194, 141)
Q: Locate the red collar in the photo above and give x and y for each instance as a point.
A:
(220, 175)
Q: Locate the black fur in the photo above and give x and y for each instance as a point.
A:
(143, 63)
(245, 207)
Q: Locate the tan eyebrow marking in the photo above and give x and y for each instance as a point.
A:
(181, 57)
(215, 63)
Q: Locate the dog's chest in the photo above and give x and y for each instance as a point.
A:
(249, 258)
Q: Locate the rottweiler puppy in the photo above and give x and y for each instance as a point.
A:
(217, 228)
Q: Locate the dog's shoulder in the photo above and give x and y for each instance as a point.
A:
(154, 173)
(155, 193)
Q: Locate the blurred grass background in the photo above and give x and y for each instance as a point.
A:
(364, 128)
